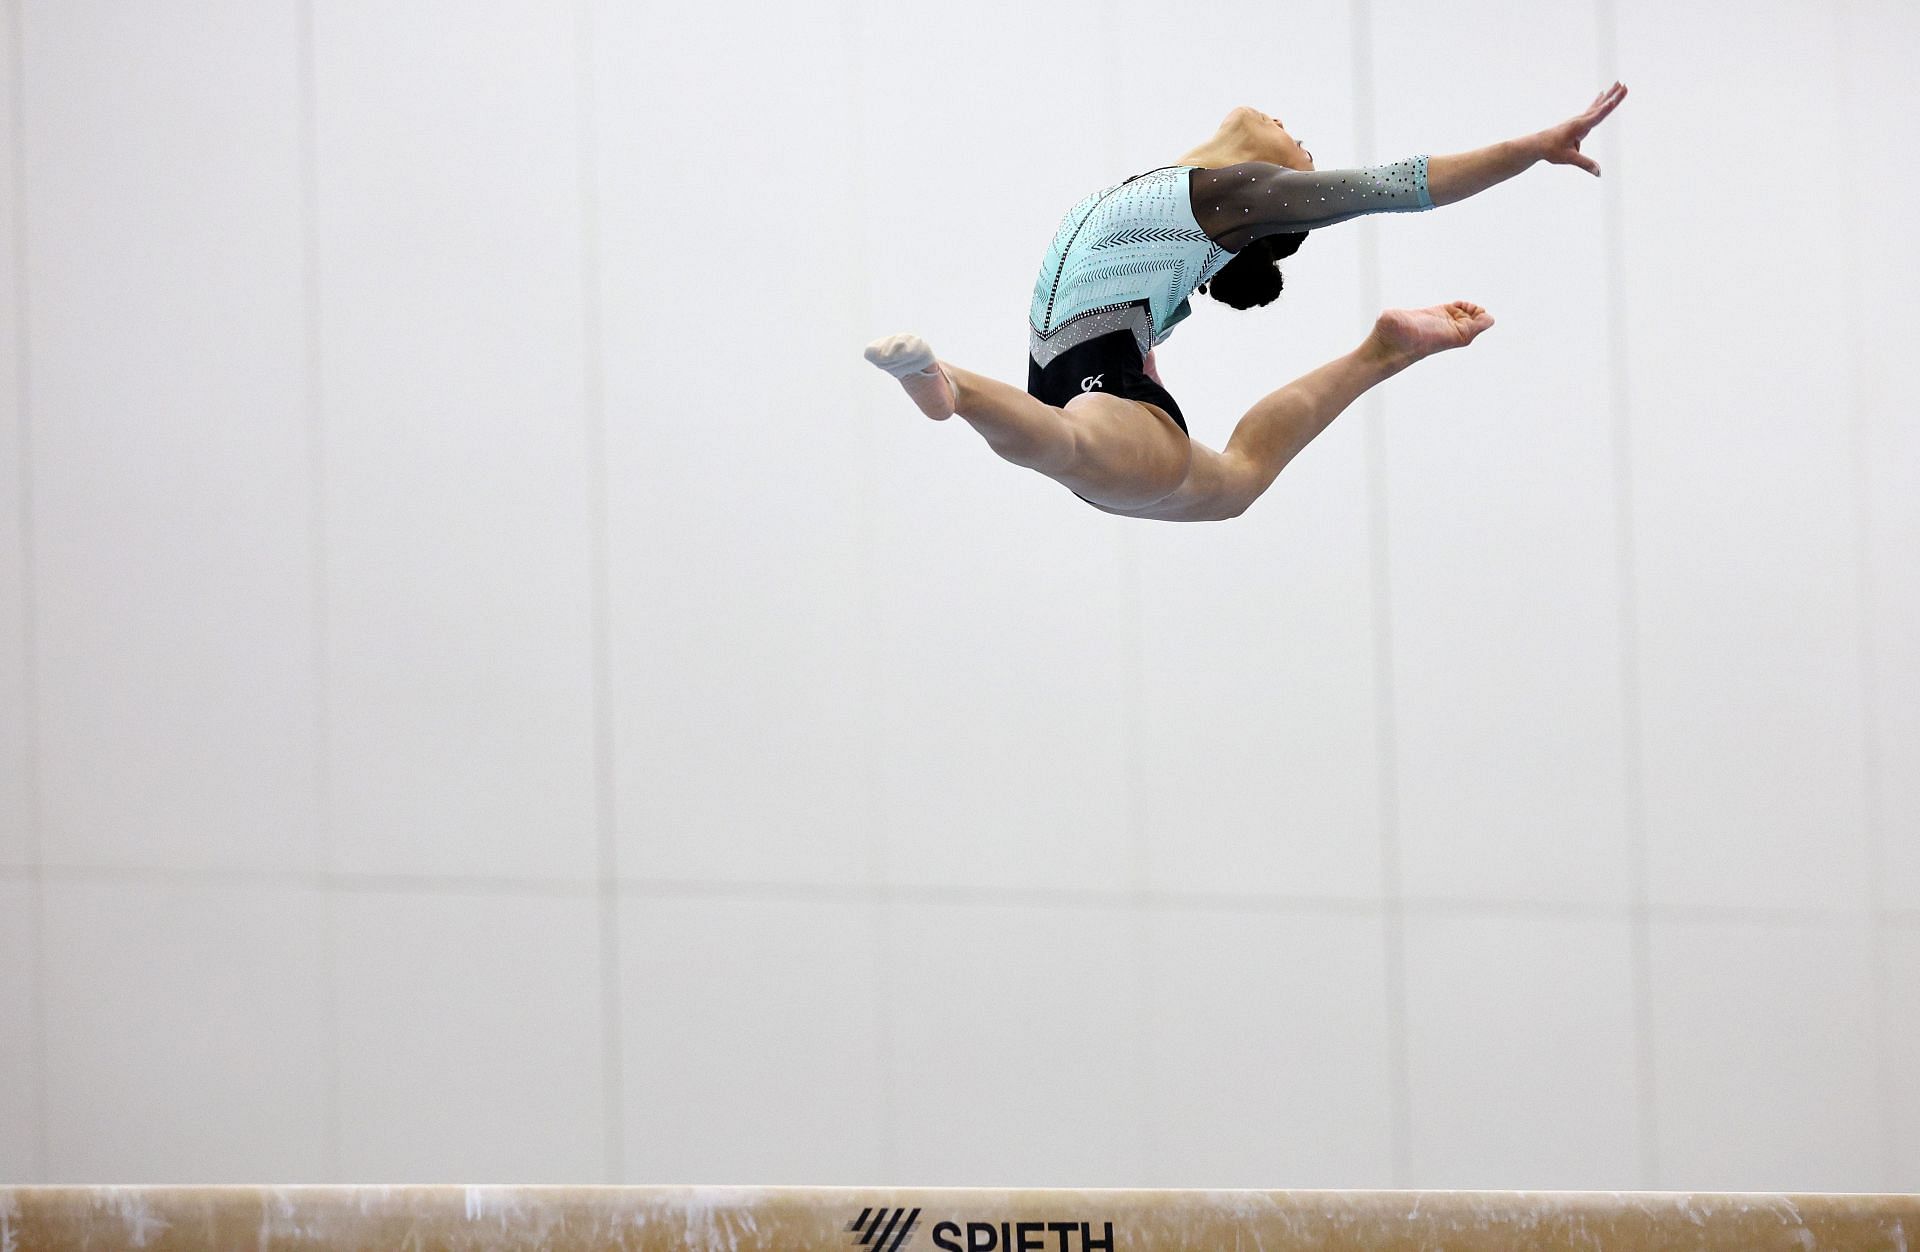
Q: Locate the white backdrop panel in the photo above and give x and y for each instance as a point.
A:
(1765, 1057)
(187, 1034)
(1502, 1014)
(1267, 1037)
(1502, 523)
(1876, 69)
(1745, 555)
(754, 1042)
(738, 462)
(20, 1069)
(470, 1038)
(16, 838)
(170, 435)
(1016, 1044)
(458, 549)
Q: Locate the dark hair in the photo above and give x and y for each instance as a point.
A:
(1252, 278)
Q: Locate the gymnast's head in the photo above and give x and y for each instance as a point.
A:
(1262, 137)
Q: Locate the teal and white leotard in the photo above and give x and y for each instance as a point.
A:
(1130, 255)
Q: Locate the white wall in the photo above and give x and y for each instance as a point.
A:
(494, 688)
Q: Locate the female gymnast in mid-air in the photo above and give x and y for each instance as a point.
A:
(1095, 417)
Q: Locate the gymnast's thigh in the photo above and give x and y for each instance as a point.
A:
(1128, 453)
(1215, 488)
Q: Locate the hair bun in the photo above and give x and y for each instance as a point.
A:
(1253, 277)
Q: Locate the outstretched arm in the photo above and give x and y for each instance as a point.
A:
(1236, 204)
(1451, 179)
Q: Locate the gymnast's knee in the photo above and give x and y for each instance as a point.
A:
(1221, 509)
(1234, 497)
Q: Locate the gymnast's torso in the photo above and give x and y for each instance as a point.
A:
(1128, 257)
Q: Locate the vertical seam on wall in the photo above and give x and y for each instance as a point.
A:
(1392, 912)
(1146, 1161)
(308, 108)
(879, 866)
(1633, 752)
(29, 637)
(593, 380)
(1872, 831)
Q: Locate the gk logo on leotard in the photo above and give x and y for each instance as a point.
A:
(1091, 381)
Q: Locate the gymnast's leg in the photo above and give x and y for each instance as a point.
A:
(1117, 452)
(1014, 424)
(1223, 484)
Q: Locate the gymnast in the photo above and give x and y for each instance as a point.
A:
(1095, 416)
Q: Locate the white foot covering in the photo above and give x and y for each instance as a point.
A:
(901, 355)
(909, 359)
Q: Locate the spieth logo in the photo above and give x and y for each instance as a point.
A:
(883, 1237)
(887, 1230)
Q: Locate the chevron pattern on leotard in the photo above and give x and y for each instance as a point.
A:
(1150, 234)
(1133, 243)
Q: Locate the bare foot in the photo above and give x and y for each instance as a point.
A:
(1416, 333)
(909, 359)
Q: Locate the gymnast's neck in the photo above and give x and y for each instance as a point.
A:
(1217, 153)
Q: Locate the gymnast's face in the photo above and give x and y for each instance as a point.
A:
(1266, 136)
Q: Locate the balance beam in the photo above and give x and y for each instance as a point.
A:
(858, 1219)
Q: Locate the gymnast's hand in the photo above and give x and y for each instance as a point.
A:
(1453, 178)
(1560, 144)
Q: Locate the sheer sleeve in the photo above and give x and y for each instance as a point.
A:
(1237, 204)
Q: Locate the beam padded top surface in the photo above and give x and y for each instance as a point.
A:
(857, 1219)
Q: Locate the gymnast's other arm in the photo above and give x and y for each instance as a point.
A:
(1238, 202)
